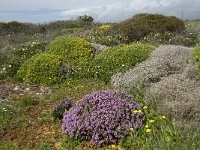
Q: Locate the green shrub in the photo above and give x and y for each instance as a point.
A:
(119, 59)
(142, 25)
(76, 52)
(73, 50)
(196, 55)
(86, 18)
(43, 69)
(27, 101)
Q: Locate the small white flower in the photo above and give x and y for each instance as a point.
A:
(4, 68)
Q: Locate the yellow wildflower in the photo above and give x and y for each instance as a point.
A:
(131, 129)
(113, 146)
(137, 111)
(104, 27)
(145, 107)
(146, 126)
(3, 108)
(151, 121)
(148, 130)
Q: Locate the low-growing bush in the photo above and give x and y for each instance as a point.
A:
(27, 101)
(61, 107)
(42, 69)
(103, 117)
(76, 52)
(119, 59)
(142, 25)
(73, 50)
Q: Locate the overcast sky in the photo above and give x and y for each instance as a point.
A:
(41, 11)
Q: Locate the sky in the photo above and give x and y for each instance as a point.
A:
(44, 11)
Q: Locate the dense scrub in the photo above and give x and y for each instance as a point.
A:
(132, 114)
(42, 69)
(142, 25)
(120, 59)
(72, 49)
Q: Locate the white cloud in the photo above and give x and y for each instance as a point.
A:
(101, 10)
(124, 10)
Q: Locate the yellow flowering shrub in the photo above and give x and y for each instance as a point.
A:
(104, 27)
(72, 49)
(41, 69)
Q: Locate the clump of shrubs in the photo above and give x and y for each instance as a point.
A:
(142, 25)
(86, 18)
(73, 50)
(119, 59)
(41, 69)
(103, 117)
(61, 107)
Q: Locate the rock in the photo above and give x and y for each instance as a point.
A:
(66, 69)
(16, 88)
(98, 48)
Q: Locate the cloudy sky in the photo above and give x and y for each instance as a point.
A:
(41, 11)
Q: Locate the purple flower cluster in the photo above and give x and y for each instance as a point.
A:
(61, 107)
(102, 117)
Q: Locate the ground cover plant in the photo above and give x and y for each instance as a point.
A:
(76, 93)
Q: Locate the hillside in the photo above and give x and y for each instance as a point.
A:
(79, 84)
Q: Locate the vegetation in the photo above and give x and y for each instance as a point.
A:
(73, 50)
(144, 24)
(196, 55)
(120, 59)
(52, 71)
(86, 18)
(42, 69)
(12, 62)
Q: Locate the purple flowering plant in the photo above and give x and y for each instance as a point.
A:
(61, 107)
(103, 117)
